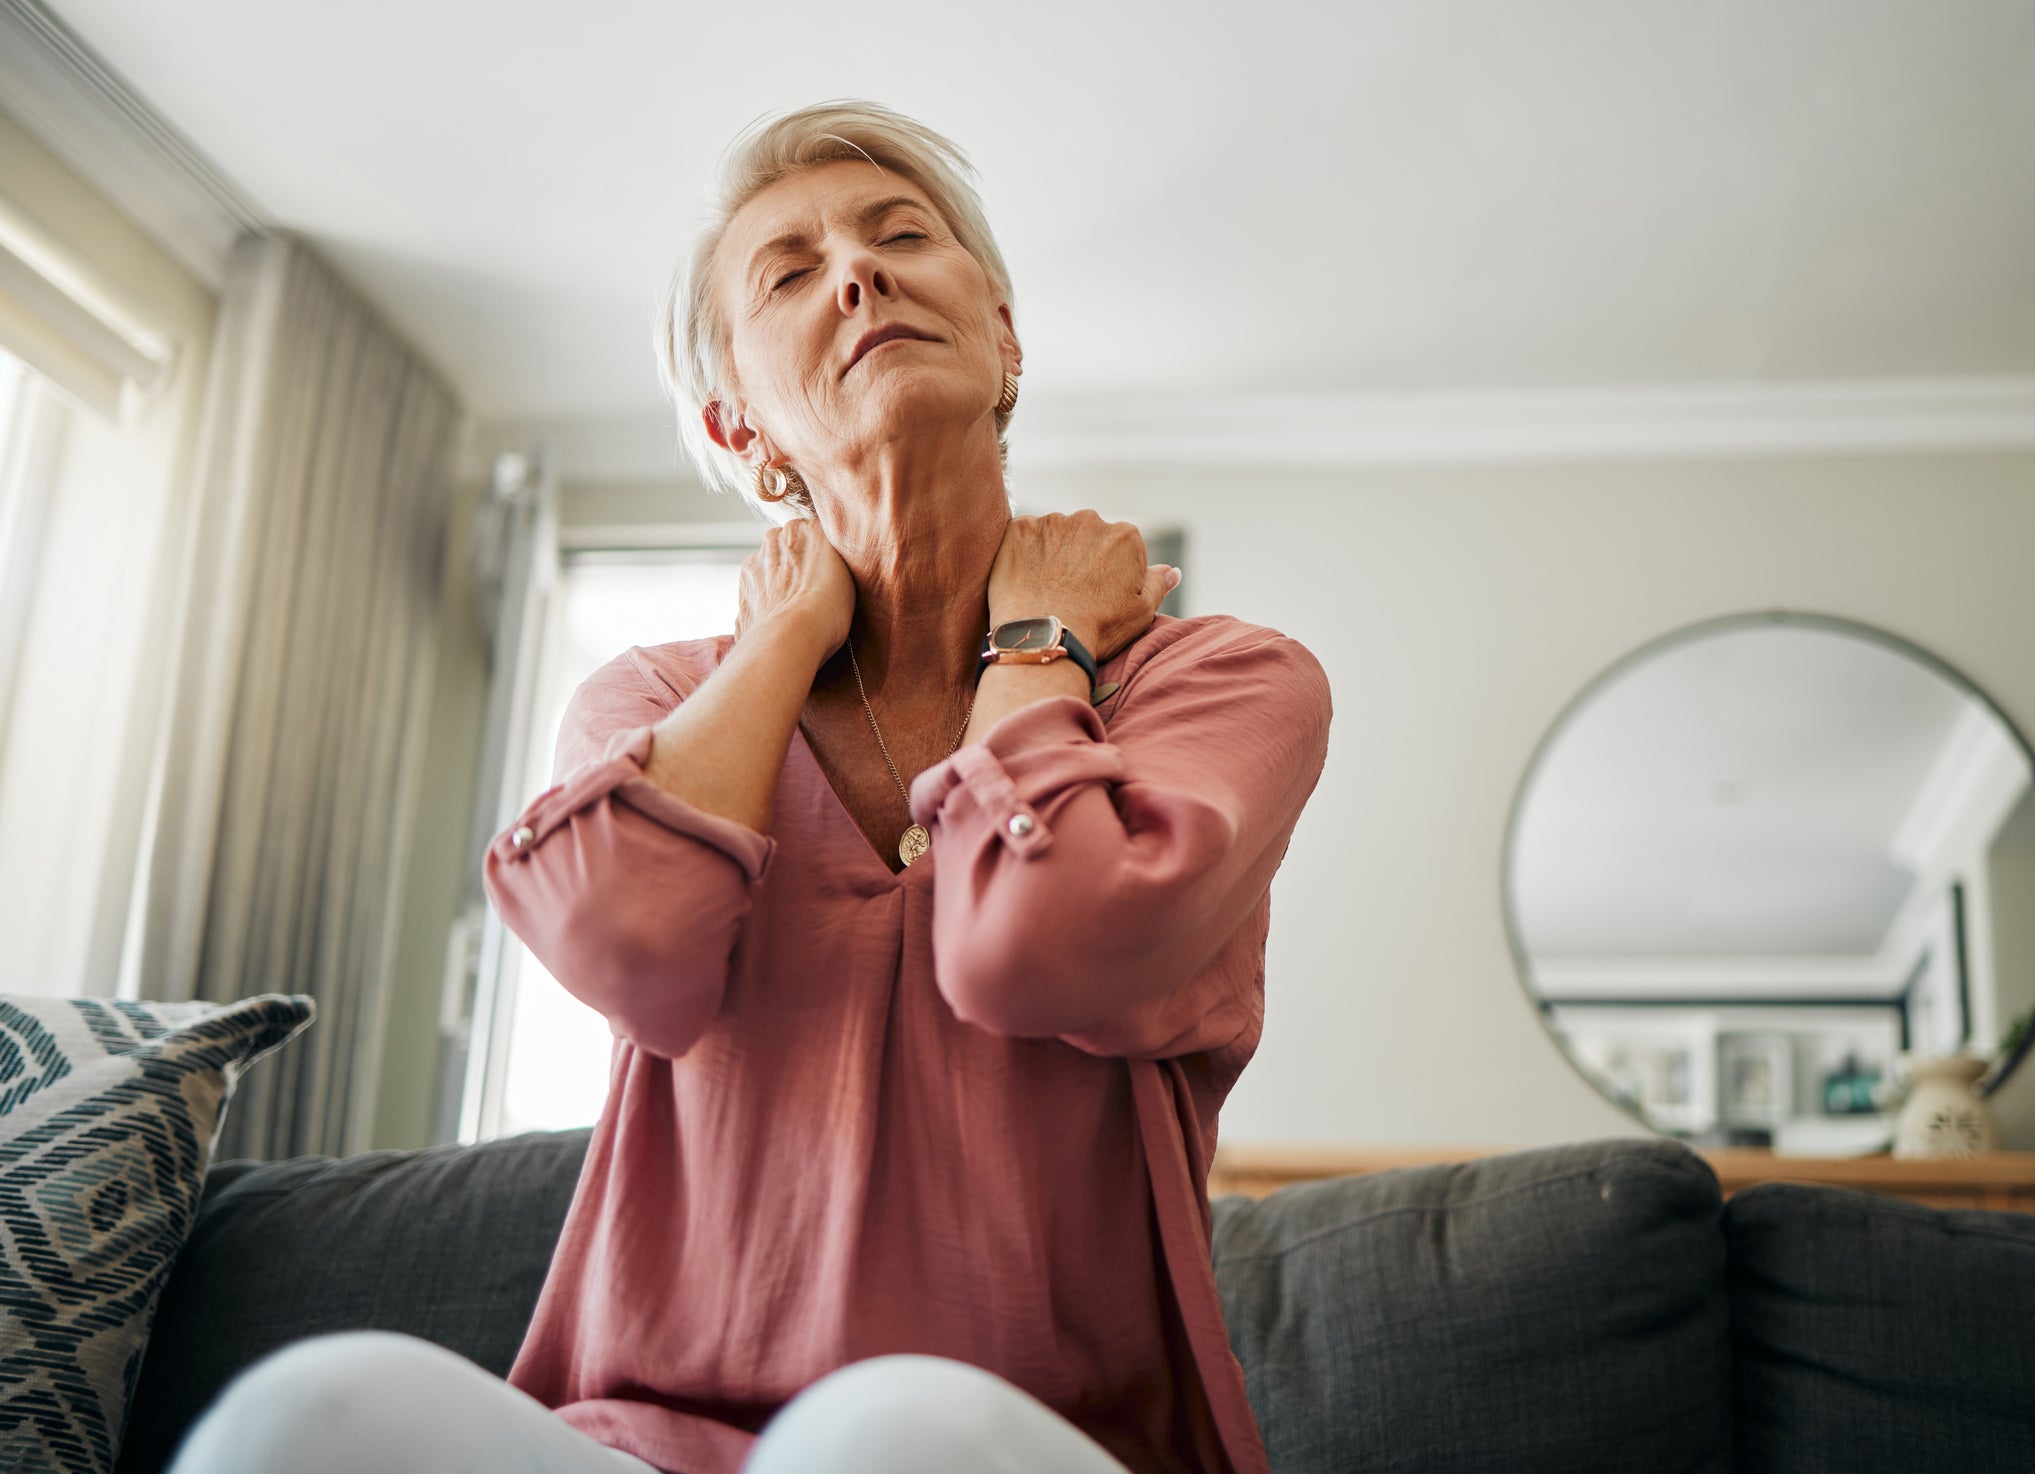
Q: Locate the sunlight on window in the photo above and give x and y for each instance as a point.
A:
(10, 382)
(13, 382)
(560, 1049)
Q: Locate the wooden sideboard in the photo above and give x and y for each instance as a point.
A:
(1984, 1180)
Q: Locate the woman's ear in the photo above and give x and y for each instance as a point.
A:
(734, 439)
(1012, 352)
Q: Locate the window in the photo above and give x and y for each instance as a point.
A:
(10, 384)
(25, 420)
(556, 1075)
(83, 502)
(106, 340)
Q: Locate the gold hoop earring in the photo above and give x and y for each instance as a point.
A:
(789, 483)
(1007, 401)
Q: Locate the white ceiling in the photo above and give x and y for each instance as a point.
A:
(1195, 199)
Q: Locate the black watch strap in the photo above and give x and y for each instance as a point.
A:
(1083, 658)
(1080, 652)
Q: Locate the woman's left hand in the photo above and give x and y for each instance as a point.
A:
(1089, 572)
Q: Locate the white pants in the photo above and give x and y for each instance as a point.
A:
(383, 1402)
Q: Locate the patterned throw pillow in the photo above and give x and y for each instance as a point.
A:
(109, 1113)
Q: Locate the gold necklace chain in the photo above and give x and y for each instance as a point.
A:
(914, 841)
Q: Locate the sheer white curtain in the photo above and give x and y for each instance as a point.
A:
(299, 700)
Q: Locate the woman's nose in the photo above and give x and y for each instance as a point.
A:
(862, 278)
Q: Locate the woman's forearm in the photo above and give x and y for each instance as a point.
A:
(721, 749)
(1007, 685)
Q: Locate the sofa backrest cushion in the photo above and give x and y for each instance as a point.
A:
(1874, 1333)
(1561, 1309)
(451, 1243)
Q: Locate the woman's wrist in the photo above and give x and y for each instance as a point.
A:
(800, 636)
(1007, 685)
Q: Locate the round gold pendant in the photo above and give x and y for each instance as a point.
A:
(913, 843)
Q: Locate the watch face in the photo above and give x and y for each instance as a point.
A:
(1024, 634)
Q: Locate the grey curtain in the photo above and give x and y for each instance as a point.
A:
(297, 719)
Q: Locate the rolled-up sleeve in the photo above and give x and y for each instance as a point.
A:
(630, 897)
(1093, 881)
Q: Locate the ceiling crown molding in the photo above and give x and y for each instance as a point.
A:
(1660, 422)
(59, 89)
(1494, 427)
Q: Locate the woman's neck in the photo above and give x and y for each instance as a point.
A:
(919, 530)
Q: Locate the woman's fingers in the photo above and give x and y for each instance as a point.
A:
(798, 575)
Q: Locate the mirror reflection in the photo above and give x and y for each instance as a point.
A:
(1760, 860)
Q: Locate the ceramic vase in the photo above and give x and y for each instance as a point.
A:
(1942, 1117)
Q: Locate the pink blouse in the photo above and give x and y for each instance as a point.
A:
(966, 1109)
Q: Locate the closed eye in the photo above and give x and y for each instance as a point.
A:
(903, 235)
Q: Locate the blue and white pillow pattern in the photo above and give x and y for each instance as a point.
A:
(109, 1114)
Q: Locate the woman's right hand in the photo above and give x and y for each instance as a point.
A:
(798, 579)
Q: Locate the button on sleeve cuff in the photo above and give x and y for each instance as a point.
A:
(1005, 781)
(620, 771)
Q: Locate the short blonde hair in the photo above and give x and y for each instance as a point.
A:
(692, 334)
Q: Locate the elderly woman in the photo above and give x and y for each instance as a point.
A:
(927, 910)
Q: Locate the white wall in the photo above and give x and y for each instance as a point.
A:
(1457, 610)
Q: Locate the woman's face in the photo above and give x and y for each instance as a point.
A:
(806, 269)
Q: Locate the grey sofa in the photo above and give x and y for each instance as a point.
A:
(1576, 1308)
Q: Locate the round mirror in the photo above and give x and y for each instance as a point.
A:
(1759, 860)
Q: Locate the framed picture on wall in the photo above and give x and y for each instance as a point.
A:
(1755, 1079)
(1658, 1063)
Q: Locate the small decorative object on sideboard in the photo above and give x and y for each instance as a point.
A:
(1848, 1089)
(1941, 1116)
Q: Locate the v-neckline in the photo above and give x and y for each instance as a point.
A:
(875, 857)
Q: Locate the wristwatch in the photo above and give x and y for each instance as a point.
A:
(1039, 641)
